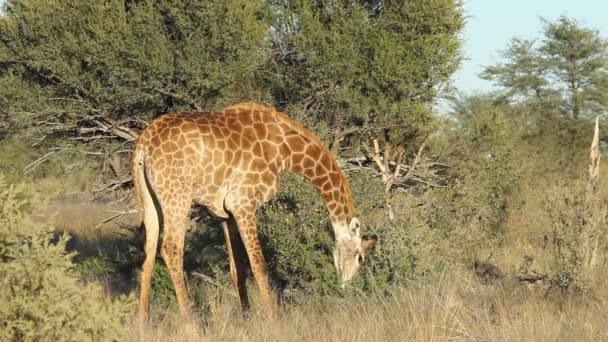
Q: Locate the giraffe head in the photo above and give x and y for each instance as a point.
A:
(350, 251)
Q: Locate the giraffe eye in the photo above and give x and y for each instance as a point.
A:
(360, 258)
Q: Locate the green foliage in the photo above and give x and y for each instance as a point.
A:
(297, 238)
(578, 58)
(365, 64)
(485, 181)
(523, 73)
(162, 292)
(578, 238)
(408, 248)
(78, 60)
(569, 67)
(567, 212)
(43, 298)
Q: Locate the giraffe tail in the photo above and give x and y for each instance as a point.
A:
(151, 217)
(137, 170)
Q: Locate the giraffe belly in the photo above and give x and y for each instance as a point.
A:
(213, 202)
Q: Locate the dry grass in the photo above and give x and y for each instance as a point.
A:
(450, 308)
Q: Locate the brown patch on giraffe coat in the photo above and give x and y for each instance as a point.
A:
(297, 158)
(296, 144)
(320, 170)
(270, 153)
(248, 136)
(260, 131)
(308, 163)
(258, 164)
(257, 149)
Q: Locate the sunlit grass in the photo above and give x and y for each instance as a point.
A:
(451, 307)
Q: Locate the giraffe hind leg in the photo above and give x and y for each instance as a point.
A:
(175, 212)
(237, 257)
(152, 216)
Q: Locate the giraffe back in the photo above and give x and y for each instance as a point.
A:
(214, 153)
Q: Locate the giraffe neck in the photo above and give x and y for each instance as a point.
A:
(318, 165)
(303, 153)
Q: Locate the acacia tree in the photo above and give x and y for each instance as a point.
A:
(94, 72)
(523, 74)
(577, 57)
(354, 64)
(374, 68)
(569, 65)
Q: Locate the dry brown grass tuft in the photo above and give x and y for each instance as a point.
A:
(450, 308)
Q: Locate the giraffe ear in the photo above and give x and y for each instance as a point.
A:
(367, 242)
(354, 227)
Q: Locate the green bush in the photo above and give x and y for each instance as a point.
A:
(297, 237)
(577, 235)
(407, 249)
(484, 183)
(42, 296)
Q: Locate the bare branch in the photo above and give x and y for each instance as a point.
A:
(104, 189)
(116, 129)
(31, 166)
(376, 156)
(117, 214)
(418, 156)
(182, 97)
(94, 137)
(423, 181)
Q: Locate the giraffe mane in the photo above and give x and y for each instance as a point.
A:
(295, 126)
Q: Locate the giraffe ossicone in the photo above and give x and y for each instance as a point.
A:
(230, 161)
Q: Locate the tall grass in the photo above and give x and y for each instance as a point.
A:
(452, 307)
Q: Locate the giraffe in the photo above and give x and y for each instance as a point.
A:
(229, 161)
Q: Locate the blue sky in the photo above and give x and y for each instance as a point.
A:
(492, 23)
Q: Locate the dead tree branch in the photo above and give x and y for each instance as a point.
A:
(390, 165)
(117, 129)
(117, 214)
(593, 236)
(594, 155)
(194, 103)
(112, 186)
(416, 161)
(33, 165)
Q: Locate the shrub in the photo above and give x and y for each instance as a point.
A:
(407, 249)
(42, 297)
(578, 225)
(297, 237)
(484, 185)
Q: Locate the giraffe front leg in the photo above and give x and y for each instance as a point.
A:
(247, 227)
(237, 256)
